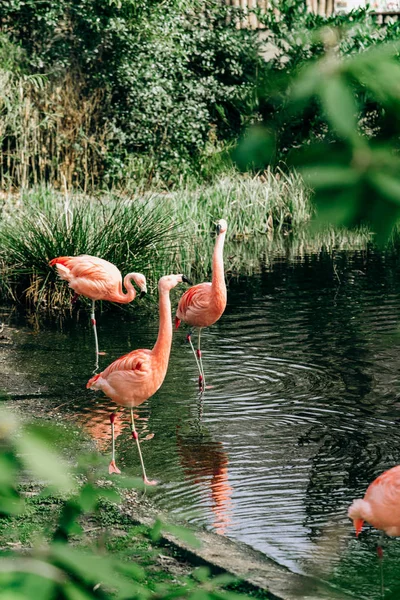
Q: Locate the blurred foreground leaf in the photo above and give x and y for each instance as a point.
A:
(43, 462)
(255, 150)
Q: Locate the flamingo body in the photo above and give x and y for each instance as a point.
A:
(203, 304)
(133, 378)
(97, 278)
(381, 504)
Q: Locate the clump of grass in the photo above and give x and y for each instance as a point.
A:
(131, 234)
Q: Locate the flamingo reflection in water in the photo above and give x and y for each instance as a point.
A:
(96, 423)
(205, 463)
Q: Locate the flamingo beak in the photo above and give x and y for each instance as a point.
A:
(186, 280)
(358, 525)
(143, 291)
(218, 229)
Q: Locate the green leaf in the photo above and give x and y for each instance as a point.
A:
(88, 497)
(255, 149)
(224, 579)
(340, 107)
(131, 570)
(182, 533)
(386, 185)
(8, 469)
(38, 456)
(155, 532)
(93, 569)
(11, 504)
(306, 84)
(338, 209)
(136, 483)
(201, 574)
(329, 176)
(200, 594)
(73, 592)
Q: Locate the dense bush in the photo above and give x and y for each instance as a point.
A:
(156, 84)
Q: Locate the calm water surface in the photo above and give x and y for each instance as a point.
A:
(302, 414)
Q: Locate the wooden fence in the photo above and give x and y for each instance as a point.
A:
(324, 8)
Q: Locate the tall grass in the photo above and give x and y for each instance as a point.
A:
(50, 131)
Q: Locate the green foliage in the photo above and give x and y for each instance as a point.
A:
(173, 78)
(335, 117)
(59, 567)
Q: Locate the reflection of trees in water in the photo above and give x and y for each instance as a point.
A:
(205, 463)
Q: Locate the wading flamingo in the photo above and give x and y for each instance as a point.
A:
(203, 304)
(133, 378)
(380, 507)
(381, 504)
(97, 279)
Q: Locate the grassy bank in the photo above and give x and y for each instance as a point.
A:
(64, 535)
(157, 233)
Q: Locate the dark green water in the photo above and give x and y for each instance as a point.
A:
(303, 413)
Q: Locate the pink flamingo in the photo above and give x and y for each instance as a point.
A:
(380, 505)
(380, 508)
(203, 304)
(133, 378)
(97, 279)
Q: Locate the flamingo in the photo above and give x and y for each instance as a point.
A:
(380, 508)
(203, 304)
(380, 505)
(133, 378)
(97, 279)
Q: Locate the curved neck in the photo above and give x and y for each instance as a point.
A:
(218, 277)
(162, 347)
(131, 292)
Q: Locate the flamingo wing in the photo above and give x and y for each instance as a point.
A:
(386, 488)
(92, 267)
(137, 361)
(88, 275)
(194, 302)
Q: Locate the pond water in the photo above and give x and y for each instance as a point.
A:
(302, 415)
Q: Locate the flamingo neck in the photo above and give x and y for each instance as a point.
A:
(162, 347)
(131, 292)
(218, 276)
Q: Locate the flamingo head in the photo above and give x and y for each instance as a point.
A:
(140, 281)
(358, 513)
(222, 226)
(358, 525)
(168, 282)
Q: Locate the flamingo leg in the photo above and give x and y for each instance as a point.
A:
(113, 467)
(136, 438)
(202, 379)
(189, 339)
(379, 551)
(93, 321)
